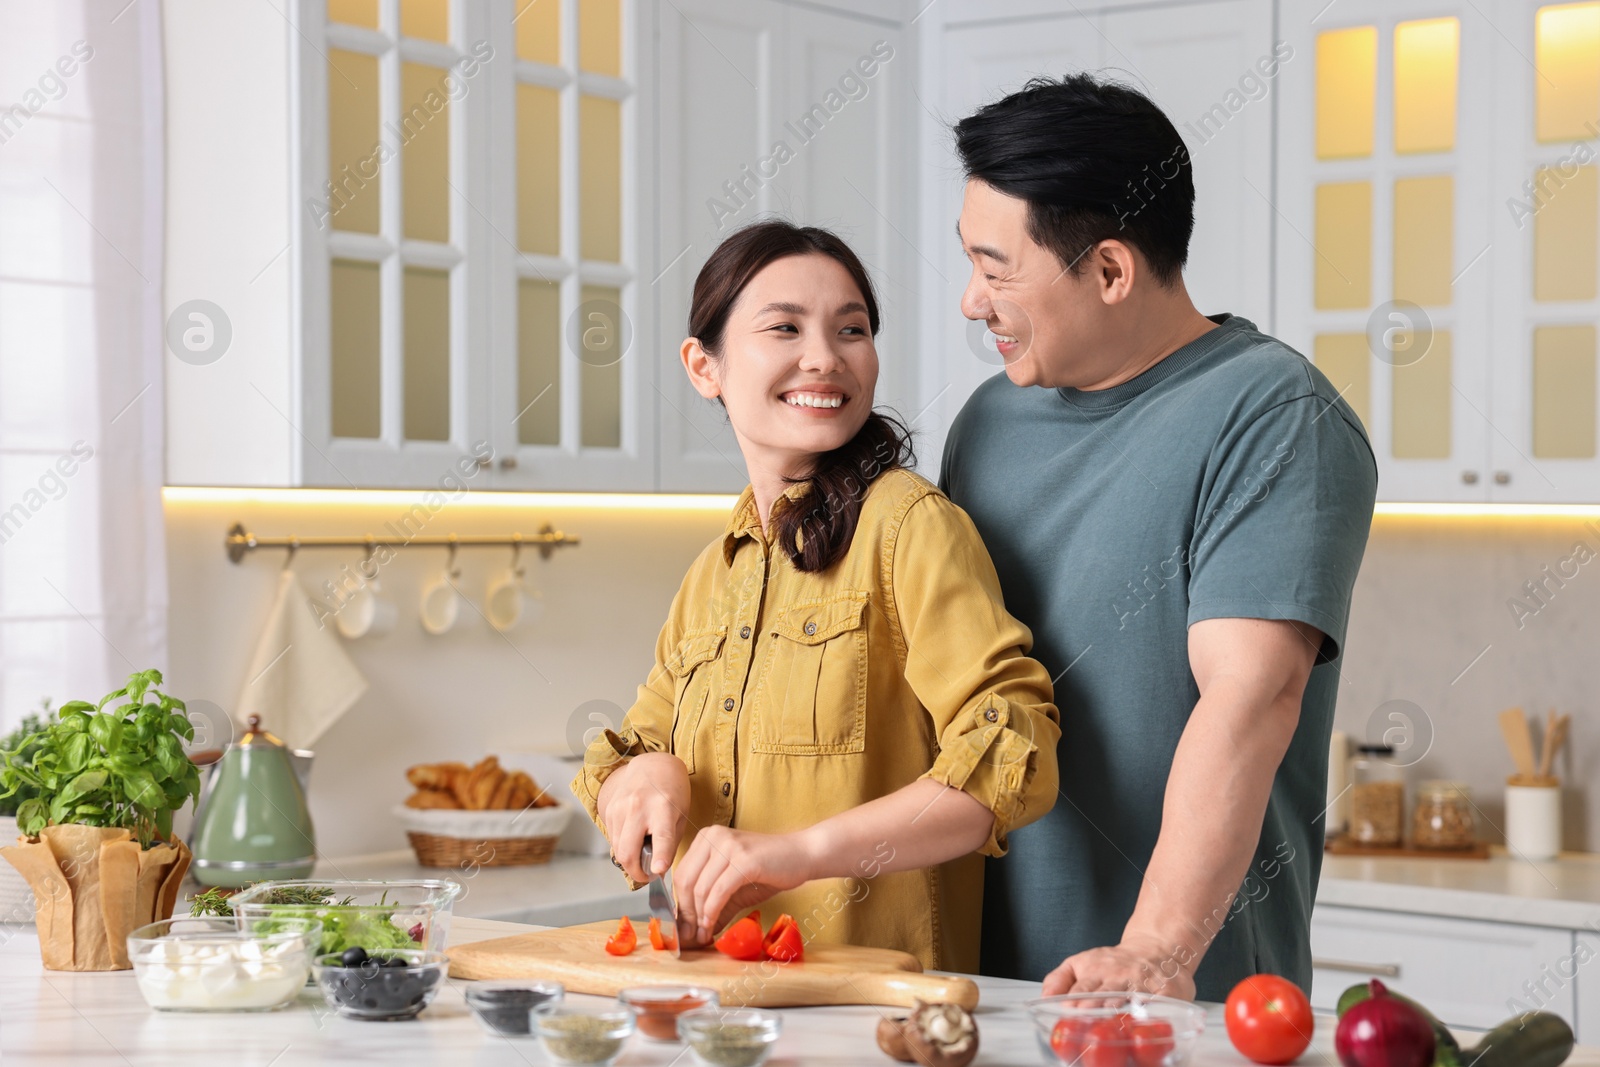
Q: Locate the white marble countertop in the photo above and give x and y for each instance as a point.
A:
(53, 1017)
(1563, 893)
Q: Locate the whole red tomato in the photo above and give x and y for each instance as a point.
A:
(1067, 1039)
(1269, 1019)
(1152, 1041)
(1107, 1045)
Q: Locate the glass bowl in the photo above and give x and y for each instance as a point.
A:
(582, 1038)
(378, 988)
(220, 963)
(658, 1006)
(505, 1006)
(370, 915)
(1145, 1028)
(730, 1037)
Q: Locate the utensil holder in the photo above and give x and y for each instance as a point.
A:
(1533, 817)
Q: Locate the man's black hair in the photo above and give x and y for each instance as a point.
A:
(1095, 161)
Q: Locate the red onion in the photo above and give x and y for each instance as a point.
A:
(1384, 1032)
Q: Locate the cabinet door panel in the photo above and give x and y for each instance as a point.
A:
(1420, 295)
(976, 64)
(773, 109)
(1464, 971)
(1208, 68)
(1547, 256)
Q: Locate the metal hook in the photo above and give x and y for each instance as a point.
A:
(450, 564)
(516, 555)
(294, 546)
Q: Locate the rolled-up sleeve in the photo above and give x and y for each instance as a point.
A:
(646, 727)
(967, 660)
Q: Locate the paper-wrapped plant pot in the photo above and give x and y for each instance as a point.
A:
(92, 886)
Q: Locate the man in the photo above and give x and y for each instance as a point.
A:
(1177, 506)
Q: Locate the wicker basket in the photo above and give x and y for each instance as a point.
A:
(463, 839)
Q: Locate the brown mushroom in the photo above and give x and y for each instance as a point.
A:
(934, 1035)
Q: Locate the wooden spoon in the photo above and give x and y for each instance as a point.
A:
(1519, 740)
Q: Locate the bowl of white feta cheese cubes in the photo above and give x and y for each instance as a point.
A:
(219, 963)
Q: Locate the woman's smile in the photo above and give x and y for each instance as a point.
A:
(819, 403)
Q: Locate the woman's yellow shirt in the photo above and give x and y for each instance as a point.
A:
(791, 697)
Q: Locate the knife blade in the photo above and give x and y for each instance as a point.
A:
(662, 907)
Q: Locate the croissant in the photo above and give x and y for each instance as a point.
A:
(432, 799)
(434, 775)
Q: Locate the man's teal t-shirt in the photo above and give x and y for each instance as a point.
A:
(1227, 481)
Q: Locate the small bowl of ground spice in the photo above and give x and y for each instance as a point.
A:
(504, 1006)
(730, 1037)
(583, 1038)
(658, 1006)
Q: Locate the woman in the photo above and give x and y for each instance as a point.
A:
(842, 716)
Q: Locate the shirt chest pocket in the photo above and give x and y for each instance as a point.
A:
(812, 696)
(693, 665)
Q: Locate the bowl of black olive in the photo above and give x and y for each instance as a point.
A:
(389, 984)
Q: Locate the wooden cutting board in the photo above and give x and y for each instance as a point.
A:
(830, 974)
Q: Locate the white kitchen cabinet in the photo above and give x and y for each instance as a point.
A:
(1586, 951)
(1467, 972)
(1202, 63)
(787, 109)
(1404, 153)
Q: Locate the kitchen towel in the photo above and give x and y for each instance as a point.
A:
(300, 680)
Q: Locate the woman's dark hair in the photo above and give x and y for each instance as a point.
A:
(817, 530)
(1095, 161)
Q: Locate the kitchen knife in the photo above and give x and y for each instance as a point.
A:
(661, 905)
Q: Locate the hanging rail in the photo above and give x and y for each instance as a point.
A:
(241, 541)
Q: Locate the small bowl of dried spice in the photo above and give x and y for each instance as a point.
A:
(658, 1006)
(506, 1006)
(583, 1038)
(730, 1037)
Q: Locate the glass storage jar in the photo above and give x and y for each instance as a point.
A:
(1443, 817)
(1377, 797)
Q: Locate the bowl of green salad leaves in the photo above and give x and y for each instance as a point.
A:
(371, 915)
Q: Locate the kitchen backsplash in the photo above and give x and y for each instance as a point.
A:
(1436, 638)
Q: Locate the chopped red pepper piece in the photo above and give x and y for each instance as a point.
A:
(783, 942)
(742, 940)
(657, 942)
(624, 940)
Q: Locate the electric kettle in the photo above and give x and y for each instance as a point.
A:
(252, 822)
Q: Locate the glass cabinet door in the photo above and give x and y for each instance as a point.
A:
(1383, 246)
(1547, 171)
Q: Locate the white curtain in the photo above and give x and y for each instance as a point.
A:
(83, 591)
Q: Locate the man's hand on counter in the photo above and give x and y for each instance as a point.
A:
(1131, 965)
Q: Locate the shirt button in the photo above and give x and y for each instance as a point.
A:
(811, 628)
(727, 705)
(992, 715)
(744, 632)
(726, 788)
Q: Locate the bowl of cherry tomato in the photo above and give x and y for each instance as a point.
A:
(1116, 1029)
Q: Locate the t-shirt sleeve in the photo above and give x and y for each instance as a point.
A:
(1286, 508)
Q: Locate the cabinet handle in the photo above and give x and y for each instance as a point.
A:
(483, 462)
(1469, 477)
(1382, 970)
(508, 463)
(1502, 477)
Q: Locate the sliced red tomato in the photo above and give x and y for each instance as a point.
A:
(657, 942)
(782, 942)
(742, 940)
(1269, 1019)
(624, 940)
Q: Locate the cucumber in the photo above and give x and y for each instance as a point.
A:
(1447, 1051)
(1532, 1039)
